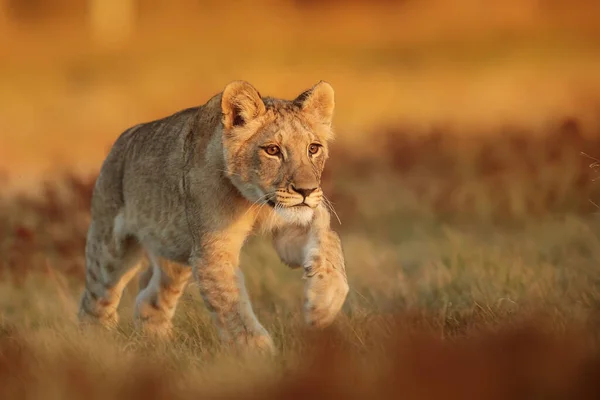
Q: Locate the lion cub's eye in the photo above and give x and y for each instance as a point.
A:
(273, 150)
(314, 148)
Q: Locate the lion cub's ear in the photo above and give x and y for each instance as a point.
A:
(240, 104)
(318, 101)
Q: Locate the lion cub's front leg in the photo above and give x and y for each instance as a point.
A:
(223, 290)
(327, 286)
(318, 249)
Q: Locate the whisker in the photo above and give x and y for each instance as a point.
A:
(258, 211)
(278, 208)
(590, 157)
(260, 199)
(329, 205)
(261, 206)
(269, 223)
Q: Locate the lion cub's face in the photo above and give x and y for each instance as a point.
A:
(275, 150)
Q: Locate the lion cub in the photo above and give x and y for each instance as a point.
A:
(189, 188)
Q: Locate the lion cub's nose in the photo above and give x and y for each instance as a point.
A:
(305, 192)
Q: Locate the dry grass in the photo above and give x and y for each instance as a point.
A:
(474, 273)
(467, 207)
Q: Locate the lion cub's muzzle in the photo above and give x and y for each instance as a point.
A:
(297, 197)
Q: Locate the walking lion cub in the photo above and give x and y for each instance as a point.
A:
(189, 188)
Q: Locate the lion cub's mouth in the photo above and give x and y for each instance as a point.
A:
(272, 203)
(303, 204)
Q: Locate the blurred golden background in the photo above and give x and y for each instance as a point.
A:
(74, 74)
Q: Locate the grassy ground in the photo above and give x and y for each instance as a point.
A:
(474, 274)
(468, 210)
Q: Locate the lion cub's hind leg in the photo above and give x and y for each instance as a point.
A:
(160, 289)
(111, 262)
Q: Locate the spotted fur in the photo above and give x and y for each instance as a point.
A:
(189, 188)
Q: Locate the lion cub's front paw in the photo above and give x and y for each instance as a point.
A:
(325, 293)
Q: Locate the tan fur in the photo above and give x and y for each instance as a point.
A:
(189, 188)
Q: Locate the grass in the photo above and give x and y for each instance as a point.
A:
(472, 262)
(468, 209)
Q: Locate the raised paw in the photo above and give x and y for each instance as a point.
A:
(325, 293)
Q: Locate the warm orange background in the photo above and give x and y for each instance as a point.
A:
(76, 73)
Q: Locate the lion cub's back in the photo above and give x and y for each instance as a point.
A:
(140, 184)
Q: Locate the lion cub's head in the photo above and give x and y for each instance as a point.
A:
(275, 150)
